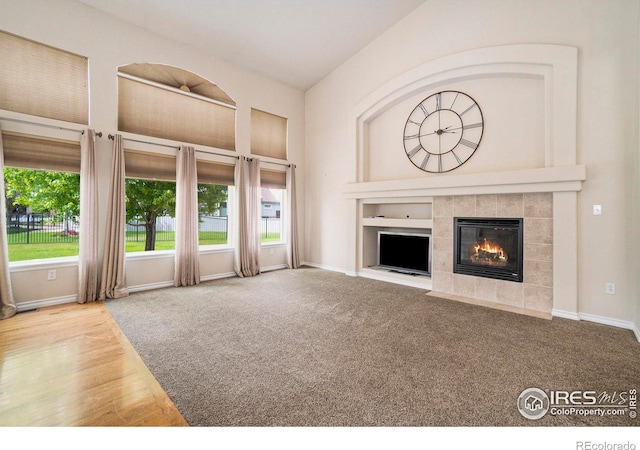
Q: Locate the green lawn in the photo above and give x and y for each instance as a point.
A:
(24, 252)
(164, 241)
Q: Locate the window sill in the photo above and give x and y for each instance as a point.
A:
(273, 244)
(43, 264)
(155, 254)
(209, 249)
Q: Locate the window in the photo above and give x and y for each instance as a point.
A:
(42, 193)
(272, 192)
(171, 103)
(215, 196)
(271, 211)
(150, 193)
(43, 81)
(268, 134)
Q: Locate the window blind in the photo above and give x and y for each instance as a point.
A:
(154, 166)
(149, 166)
(273, 179)
(32, 152)
(268, 134)
(153, 111)
(215, 173)
(43, 81)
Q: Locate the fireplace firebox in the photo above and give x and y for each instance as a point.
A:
(488, 247)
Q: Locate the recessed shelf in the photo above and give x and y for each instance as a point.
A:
(392, 222)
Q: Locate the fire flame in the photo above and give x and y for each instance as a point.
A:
(489, 253)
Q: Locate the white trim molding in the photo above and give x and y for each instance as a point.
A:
(43, 303)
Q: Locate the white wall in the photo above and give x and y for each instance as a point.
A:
(109, 43)
(605, 35)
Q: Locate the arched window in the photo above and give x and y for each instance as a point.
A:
(168, 102)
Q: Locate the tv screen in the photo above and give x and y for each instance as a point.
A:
(404, 252)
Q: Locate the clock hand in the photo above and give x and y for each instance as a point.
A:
(440, 131)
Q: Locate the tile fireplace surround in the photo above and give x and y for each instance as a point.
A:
(536, 292)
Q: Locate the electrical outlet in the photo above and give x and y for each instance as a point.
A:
(597, 210)
(51, 275)
(610, 288)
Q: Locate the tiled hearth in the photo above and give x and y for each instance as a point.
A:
(536, 292)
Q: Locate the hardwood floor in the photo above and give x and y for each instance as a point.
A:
(70, 365)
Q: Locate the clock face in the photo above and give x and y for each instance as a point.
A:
(443, 131)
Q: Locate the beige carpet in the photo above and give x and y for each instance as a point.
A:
(309, 347)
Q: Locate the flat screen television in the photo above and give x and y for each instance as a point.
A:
(404, 252)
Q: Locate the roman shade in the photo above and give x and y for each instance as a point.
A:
(155, 166)
(215, 173)
(150, 166)
(43, 81)
(268, 134)
(273, 179)
(152, 110)
(31, 152)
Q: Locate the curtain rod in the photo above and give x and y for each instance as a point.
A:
(276, 163)
(28, 122)
(177, 147)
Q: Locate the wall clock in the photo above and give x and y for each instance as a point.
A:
(443, 131)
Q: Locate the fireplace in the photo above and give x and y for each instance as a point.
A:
(488, 247)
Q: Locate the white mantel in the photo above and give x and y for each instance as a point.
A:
(551, 179)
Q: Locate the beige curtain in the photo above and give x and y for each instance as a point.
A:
(88, 245)
(7, 305)
(293, 260)
(187, 269)
(112, 281)
(247, 256)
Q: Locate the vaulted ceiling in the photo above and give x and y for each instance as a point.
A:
(297, 42)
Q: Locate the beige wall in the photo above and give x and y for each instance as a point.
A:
(109, 43)
(604, 34)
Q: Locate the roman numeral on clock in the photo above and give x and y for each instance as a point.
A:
(473, 125)
(413, 152)
(467, 110)
(425, 161)
(469, 144)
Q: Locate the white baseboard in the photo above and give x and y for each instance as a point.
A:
(270, 268)
(218, 276)
(608, 321)
(35, 304)
(565, 314)
(627, 325)
(150, 286)
(325, 267)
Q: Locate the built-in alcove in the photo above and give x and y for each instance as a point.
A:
(402, 218)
